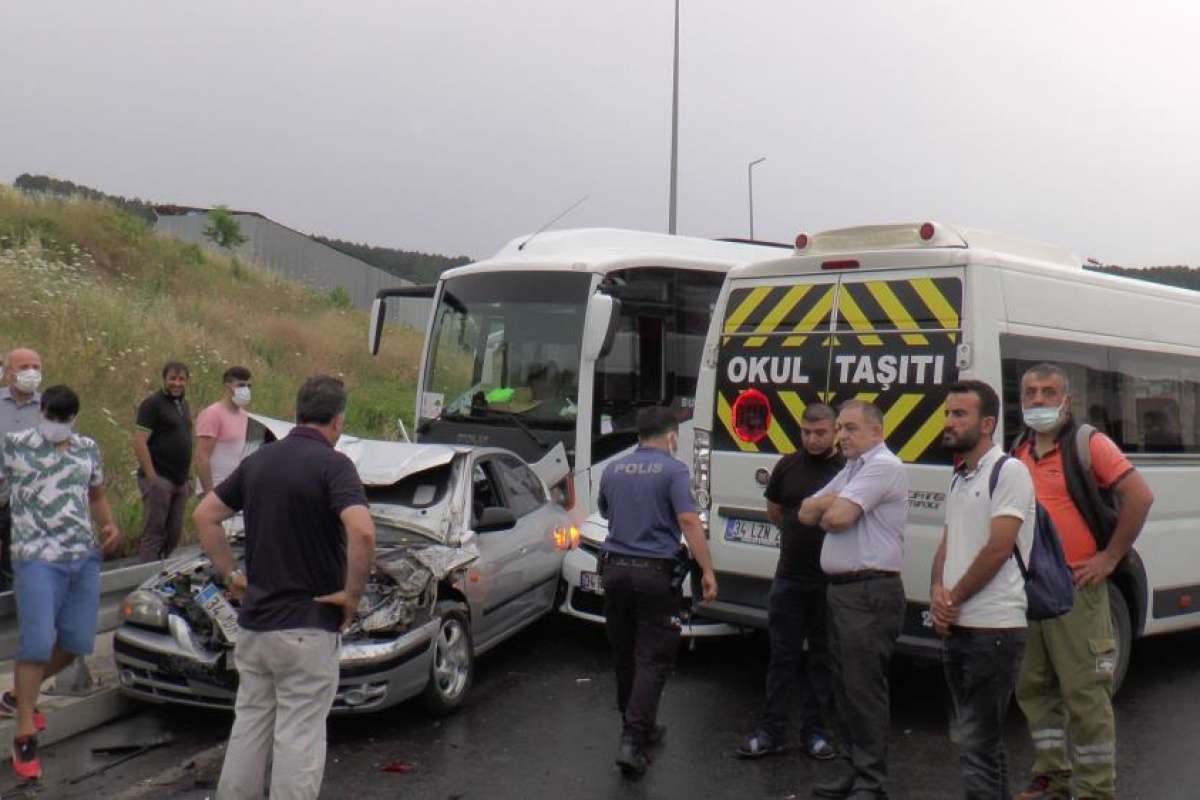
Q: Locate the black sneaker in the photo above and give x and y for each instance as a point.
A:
(759, 744)
(25, 759)
(631, 759)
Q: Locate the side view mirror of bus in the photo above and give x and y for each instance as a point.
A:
(375, 325)
(600, 326)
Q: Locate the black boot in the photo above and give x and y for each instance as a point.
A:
(631, 759)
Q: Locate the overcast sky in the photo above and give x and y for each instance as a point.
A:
(453, 126)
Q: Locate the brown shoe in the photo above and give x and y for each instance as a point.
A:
(1040, 789)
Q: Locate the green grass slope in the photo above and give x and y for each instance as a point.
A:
(106, 302)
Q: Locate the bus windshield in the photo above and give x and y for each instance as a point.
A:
(505, 349)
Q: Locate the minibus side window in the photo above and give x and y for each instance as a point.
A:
(1146, 402)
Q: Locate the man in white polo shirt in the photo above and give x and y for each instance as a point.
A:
(977, 592)
(863, 511)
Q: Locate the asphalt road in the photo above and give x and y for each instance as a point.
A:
(540, 722)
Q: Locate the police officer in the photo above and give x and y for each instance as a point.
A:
(647, 500)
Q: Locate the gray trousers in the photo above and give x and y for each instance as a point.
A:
(865, 619)
(288, 680)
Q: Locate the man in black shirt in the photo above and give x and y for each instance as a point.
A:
(162, 443)
(310, 543)
(796, 604)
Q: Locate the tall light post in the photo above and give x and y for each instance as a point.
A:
(674, 127)
(750, 184)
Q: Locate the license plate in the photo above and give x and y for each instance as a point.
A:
(751, 531)
(590, 582)
(213, 601)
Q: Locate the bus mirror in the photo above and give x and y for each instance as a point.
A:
(375, 328)
(600, 326)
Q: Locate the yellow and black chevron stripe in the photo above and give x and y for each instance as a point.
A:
(818, 322)
(766, 312)
(914, 305)
(912, 422)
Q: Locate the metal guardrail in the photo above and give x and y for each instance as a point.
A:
(117, 579)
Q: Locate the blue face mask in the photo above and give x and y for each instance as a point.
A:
(1042, 420)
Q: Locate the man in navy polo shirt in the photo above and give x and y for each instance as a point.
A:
(310, 543)
(648, 502)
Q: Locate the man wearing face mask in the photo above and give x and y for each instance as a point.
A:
(310, 543)
(162, 443)
(221, 430)
(55, 478)
(19, 411)
(1065, 684)
(647, 499)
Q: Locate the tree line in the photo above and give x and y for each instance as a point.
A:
(411, 265)
(408, 264)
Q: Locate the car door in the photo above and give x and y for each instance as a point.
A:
(501, 582)
(536, 521)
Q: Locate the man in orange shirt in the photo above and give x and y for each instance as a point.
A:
(1065, 684)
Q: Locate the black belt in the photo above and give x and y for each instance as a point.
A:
(614, 560)
(967, 630)
(861, 575)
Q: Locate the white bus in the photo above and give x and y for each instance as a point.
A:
(894, 314)
(562, 338)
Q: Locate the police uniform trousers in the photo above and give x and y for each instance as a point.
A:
(641, 608)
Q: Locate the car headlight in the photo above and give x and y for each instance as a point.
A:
(146, 609)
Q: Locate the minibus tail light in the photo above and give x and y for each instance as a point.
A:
(702, 473)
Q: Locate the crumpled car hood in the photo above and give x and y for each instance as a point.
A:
(379, 463)
(382, 463)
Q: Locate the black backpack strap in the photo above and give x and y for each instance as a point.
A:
(1095, 506)
(994, 479)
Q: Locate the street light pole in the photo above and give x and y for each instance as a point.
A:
(674, 127)
(750, 183)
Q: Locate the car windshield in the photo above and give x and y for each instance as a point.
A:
(507, 345)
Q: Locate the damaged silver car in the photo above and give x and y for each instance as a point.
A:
(469, 549)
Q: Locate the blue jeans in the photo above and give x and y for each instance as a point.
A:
(57, 603)
(795, 613)
(981, 672)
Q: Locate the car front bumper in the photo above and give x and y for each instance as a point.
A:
(170, 667)
(589, 606)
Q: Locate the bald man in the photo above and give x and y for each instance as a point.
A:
(20, 410)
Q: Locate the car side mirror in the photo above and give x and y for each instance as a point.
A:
(494, 518)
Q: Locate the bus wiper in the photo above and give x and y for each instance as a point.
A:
(520, 423)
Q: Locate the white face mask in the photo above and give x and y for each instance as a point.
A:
(55, 432)
(28, 380)
(1042, 420)
(241, 396)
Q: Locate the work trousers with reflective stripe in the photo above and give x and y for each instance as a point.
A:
(1065, 692)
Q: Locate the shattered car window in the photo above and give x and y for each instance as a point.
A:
(421, 490)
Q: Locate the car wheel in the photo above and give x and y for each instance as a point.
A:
(1122, 632)
(453, 664)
